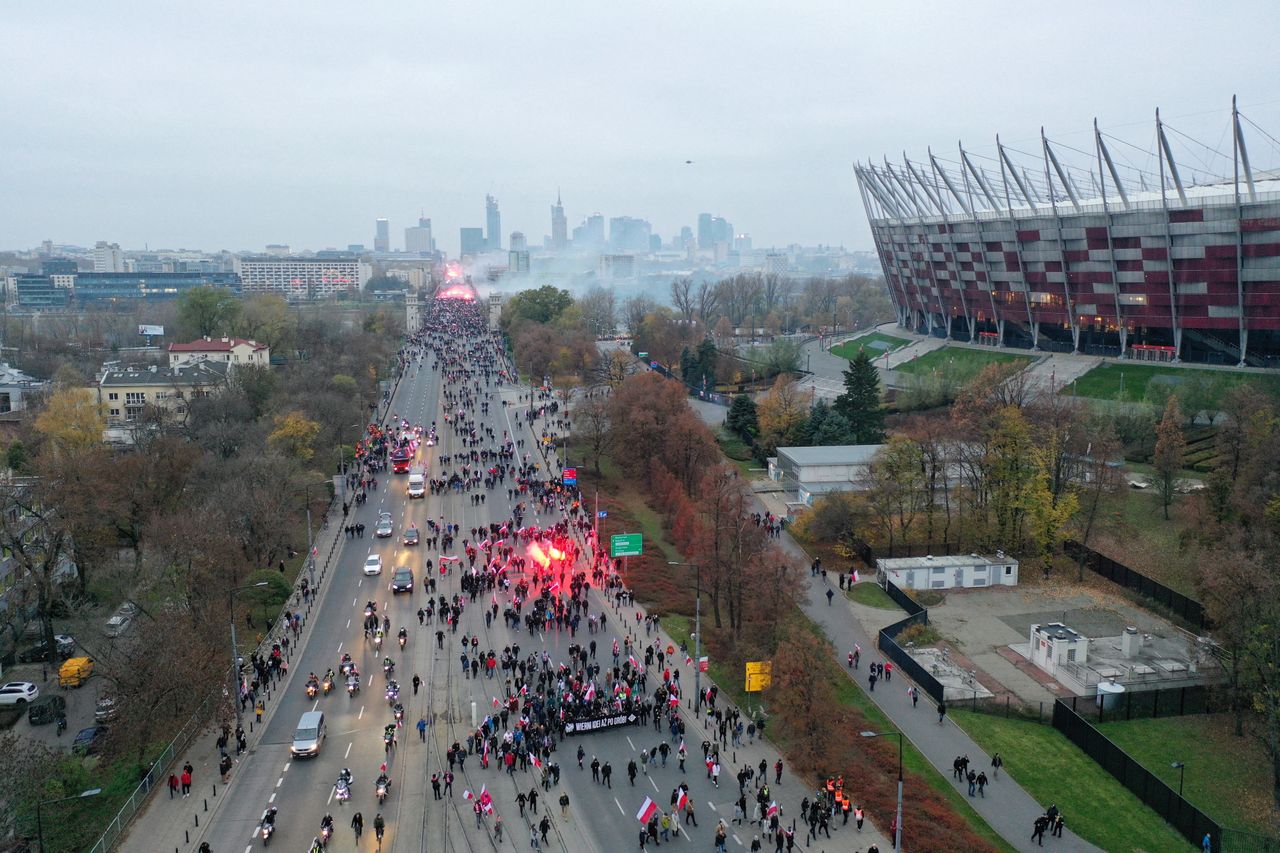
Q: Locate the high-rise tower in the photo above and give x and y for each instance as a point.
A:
(382, 236)
(493, 224)
(559, 225)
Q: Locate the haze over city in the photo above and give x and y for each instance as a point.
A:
(236, 125)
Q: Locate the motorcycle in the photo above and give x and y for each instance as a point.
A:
(342, 791)
(377, 641)
(399, 712)
(353, 688)
(326, 832)
(388, 739)
(393, 693)
(388, 667)
(382, 791)
(312, 689)
(403, 640)
(326, 685)
(268, 825)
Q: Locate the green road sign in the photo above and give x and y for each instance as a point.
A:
(625, 545)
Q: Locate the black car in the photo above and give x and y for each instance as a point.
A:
(46, 709)
(411, 536)
(40, 652)
(89, 741)
(402, 580)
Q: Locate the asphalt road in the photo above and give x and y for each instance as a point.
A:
(599, 818)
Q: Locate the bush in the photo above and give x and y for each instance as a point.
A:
(10, 714)
(918, 634)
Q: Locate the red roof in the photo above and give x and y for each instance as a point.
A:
(216, 345)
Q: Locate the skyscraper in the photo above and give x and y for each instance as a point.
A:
(493, 224)
(712, 230)
(518, 242)
(382, 236)
(417, 240)
(472, 241)
(559, 225)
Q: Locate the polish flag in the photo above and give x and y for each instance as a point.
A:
(855, 576)
(591, 691)
(772, 810)
(688, 660)
(449, 559)
(467, 795)
(537, 762)
(674, 700)
(682, 801)
(647, 811)
(496, 703)
(615, 646)
(635, 664)
(682, 747)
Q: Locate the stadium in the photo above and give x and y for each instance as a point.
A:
(1112, 249)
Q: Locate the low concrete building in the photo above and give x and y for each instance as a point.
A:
(15, 389)
(960, 571)
(812, 471)
(1055, 644)
(235, 352)
(125, 390)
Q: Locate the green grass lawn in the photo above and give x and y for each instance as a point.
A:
(1054, 770)
(738, 452)
(888, 343)
(1228, 778)
(961, 363)
(1131, 529)
(871, 595)
(1131, 382)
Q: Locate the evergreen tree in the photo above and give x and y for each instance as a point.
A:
(706, 363)
(688, 367)
(860, 402)
(833, 430)
(742, 420)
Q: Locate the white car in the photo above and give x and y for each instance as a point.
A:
(117, 625)
(373, 565)
(18, 693)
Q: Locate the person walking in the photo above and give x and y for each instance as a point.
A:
(187, 770)
(564, 806)
(996, 763)
(173, 785)
(830, 595)
(422, 729)
(379, 827)
(1038, 828)
(689, 816)
(777, 772)
(417, 682)
(942, 712)
(357, 824)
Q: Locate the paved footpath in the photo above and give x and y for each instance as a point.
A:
(1008, 808)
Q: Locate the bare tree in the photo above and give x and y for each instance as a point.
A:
(682, 297)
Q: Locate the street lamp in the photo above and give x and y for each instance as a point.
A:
(235, 649)
(697, 632)
(1181, 767)
(897, 838)
(92, 792)
(311, 551)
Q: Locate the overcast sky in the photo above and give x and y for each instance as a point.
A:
(232, 125)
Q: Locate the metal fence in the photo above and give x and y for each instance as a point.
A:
(886, 642)
(1188, 820)
(1187, 609)
(1146, 704)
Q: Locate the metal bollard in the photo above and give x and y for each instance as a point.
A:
(215, 789)
(197, 820)
(187, 834)
(206, 805)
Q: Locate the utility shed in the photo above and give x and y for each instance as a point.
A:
(811, 471)
(959, 571)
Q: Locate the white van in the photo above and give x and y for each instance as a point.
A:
(417, 484)
(309, 734)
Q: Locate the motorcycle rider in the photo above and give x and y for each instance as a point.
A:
(388, 665)
(404, 636)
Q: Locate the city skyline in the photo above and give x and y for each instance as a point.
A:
(549, 104)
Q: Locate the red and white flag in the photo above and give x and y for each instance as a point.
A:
(496, 703)
(449, 559)
(772, 810)
(647, 810)
(688, 660)
(675, 699)
(683, 800)
(635, 664)
(855, 576)
(467, 795)
(537, 762)
(591, 691)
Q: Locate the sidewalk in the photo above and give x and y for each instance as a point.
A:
(163, 825)
(1009, 809)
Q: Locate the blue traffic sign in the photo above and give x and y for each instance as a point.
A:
(602, 514)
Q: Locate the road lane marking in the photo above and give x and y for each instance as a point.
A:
(348, 752)
(339, 648)
(655, 785)
(629, 743)
(348, 623)
(737, 839)
(287, 764)
(279, 781)
(713, 806)
(619, 805)
(272, 798)
(360, 716)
